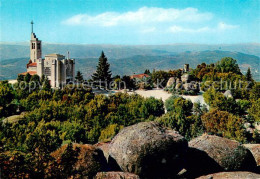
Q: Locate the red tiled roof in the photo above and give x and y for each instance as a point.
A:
(139, 76)
(30, 72)
(32, 65)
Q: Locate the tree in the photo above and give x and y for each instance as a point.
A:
(20, 78)
(130, 84)
(27, 77)
(6, 93)
(79, 77)
(179, 105)
(249, 75)
(224, 124)
(160, 78)
(254, 93)
(67, 161)
(40, 143)
(147, 71)
(254, 111)
(228, 64)
(35, 78)
(102, 73)
(46, 84)
(109, 132)
(216, 99)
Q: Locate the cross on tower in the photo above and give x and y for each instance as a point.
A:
(32, 26)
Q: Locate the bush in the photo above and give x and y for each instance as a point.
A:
(109, 132)
(224, 124)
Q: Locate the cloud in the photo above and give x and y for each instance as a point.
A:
(220, 27)
(148, 30)
(176, 29)
(223, 26)
(143, 16)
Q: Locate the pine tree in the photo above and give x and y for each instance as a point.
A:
(103, 73)
(79, 77)
(249, 75)
(147, 71)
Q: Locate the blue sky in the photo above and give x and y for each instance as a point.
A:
(131, 21)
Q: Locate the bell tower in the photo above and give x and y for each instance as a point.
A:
(35, 47)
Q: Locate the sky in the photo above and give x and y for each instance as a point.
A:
(131, 22)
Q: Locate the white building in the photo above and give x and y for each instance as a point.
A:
(58, 69)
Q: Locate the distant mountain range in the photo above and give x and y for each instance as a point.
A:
(126, 60)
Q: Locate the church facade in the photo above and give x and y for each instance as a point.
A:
(58, 69)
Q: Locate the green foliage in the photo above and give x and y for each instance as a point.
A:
(109, 132)
(6, 93)
(217, 100)
(20, 78)
(249, 75)
(179, 117)
(254, 111)
(228, 64)
(254, 93)
(147, 71)
(27, 77)
(46, 84)
(35, 78)
(179, 105)
(102, 73)
(130, 84)
(79, 77)
(77, 115)
(224, 124)
(66, 162)
(160, 78)
(233, 159)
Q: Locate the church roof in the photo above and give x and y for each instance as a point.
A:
(32, 65)
(30, 72)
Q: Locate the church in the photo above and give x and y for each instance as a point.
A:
(58, 69)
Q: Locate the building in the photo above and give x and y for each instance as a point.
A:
(186, 68)
(139, 76)
(58, 69)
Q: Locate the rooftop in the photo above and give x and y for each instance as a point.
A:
(139, 76)
(30, 72)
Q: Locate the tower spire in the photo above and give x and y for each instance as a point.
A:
(32, 25)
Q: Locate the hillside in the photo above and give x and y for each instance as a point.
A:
(138, 63)
(15, 50)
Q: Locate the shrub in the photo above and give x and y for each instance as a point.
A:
(224, 124)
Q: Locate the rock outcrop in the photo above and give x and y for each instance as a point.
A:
(211, 154)
(148, 150)
(116, 175)
(231, 175)
(255, 150)
(90, 160)
(104, 146)
(170, 82)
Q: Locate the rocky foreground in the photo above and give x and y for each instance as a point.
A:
(147, 150)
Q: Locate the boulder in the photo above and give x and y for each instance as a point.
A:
(90, 159)
(228, 94)
(255, 150)
(104, 146)
(211, 154)
(185, 78)
(178, 86)
(148, 150)
(170, 82)
(116, 175)
(231, 175)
